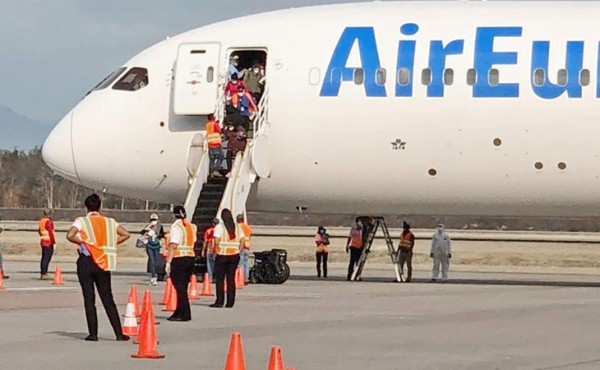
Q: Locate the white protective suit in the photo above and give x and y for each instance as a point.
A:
(441, 251)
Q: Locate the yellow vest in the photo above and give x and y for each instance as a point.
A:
(228, 246)
(185, 248)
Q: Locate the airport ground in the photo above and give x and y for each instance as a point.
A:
(508, 305)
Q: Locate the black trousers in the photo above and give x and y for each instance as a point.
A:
(47, 253)
(225, 267)
(90, 274)
(322, 256)
(181, 272)
(355, 254)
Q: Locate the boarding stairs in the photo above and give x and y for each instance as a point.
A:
(207, 196)
(377, 223)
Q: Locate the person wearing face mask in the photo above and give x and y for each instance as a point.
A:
(252, 82)
(243, 103)
(153, 232)
(232, 87)
(322, 241)
(441, 253)
(354, 246)
(233, 67)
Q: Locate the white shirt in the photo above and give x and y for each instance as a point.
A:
(175, 234)
(220, 231)
(78, 225)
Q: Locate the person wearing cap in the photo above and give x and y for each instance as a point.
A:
(322, 241)
(244, 105)
(208, 248)
(180, 262)
(405, 251)
(245, 250)
(47, 242)
(252, 80)
(234, 62)
(441, 253)
(1, 260)
(97, 238)
(153, 233)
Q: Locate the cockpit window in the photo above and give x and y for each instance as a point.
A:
(108, 80)
(136, 78)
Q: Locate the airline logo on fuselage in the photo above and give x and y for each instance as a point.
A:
(484, 60)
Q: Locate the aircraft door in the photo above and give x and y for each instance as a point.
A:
(196, 79)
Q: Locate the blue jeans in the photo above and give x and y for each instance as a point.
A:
(152, 258)
(210, 266)
(216, 158)
(244, 254)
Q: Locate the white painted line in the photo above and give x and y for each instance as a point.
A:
(35, 289)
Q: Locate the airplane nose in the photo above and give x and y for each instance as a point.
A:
(57, 150)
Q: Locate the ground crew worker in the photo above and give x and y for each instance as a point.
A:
(47, 242)
(322, 241)
(1, 260)
(213, 139)
(245, 250)
(180, 262)
(405, 251)
(208, 248)
(441, 253)
(97, 238)
(229, 239)
(355, 247)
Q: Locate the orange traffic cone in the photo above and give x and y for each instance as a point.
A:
(149, 308)
(193, 293)
(168, 287)
(130, 325)
(239, 279)
(235, 357)
(1, 280)
(276, 361)
(172, 304)
(58, 279)
(147, 348)
(206, 286)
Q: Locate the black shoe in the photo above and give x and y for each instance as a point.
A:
(216, 305)
(122, 338)
(5, 277)
(229, 305)
(91, 338)
(176, 318)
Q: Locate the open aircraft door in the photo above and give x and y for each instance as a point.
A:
(196, 79)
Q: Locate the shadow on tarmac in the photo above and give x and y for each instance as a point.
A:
(66, 334)
(484, 281)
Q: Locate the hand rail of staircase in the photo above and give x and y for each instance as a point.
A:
(261, 121)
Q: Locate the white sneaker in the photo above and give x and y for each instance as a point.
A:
(153, 282)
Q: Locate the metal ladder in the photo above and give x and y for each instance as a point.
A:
(393, 253)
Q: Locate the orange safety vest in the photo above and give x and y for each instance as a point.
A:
(45, 239)
(228, 246)
(356, 238)
(247, 233)
(99, 234)
(320, 246)
(213, 137)
(187, 231)
(407, 241)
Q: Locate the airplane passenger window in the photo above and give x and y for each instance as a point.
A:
(380, 76)
(210, 74)
(136, 78)
(471, 77)
(359, 76)
(426, 77)
(539, 76)
(108, 80)
(494, 77)
(403, 76)
(448, 76)
(584, 77)
(562, 77)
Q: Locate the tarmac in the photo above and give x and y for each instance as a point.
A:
(474, 321)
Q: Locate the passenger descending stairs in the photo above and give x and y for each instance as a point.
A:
(377, 222)
(207, 196)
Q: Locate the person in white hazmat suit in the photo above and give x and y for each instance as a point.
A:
(441, 253)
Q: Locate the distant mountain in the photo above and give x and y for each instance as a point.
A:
(19, 131)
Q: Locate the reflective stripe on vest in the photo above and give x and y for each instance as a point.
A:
(44, 234)
(185, 248)
(212, 135)
(231, 246)
(99, 235)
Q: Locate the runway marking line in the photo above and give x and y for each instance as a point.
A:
(35, 289)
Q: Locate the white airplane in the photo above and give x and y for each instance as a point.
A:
(479, 108)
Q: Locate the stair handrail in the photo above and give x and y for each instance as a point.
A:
(229, 192)
(261, 121)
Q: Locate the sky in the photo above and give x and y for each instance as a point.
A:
(54, 51)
